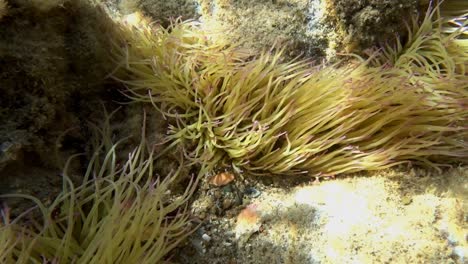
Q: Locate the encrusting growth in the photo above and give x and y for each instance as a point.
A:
(405, 103)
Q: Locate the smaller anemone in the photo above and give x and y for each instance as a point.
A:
(3, 9)
(119, 214)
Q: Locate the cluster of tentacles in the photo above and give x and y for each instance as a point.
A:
(407, 102)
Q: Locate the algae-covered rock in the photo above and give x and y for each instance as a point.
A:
(313, 29)
(53, 69)
(360, 24)
(161, 11)
(52, 61)
(307, 28)
(293, 24)
(54, 83)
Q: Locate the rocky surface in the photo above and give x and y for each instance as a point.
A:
(394, 216)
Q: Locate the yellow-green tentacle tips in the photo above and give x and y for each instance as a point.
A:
(408, 103)
(121, 214)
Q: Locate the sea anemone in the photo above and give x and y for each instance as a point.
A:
(119, 214)
(3, 8)
(407, 103)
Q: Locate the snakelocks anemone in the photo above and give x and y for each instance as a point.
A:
(405, 103)
(120, 213)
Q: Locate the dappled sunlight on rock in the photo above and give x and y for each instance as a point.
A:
(388, 217)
